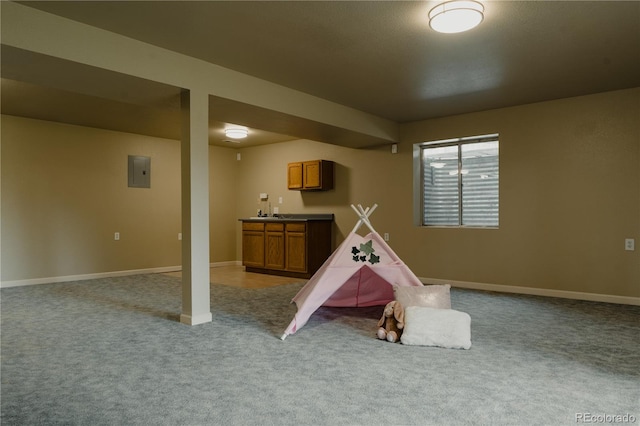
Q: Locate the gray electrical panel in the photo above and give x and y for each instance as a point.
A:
(139, 171)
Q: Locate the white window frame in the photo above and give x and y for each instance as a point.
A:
(419, 173)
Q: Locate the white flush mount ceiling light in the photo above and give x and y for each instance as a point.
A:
(456, 16)
(236, 133)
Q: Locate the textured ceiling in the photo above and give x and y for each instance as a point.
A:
(382, 58)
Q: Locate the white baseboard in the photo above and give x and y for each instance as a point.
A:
(67, 278)
(577, 295)
(227, 263)
(594, 297)
(197, 319)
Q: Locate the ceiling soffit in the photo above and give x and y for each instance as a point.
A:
(47, 88)
(380, 57)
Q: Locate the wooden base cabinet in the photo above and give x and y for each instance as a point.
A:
(253, 244)
(296, 243)
(274, 246)
(295, 249)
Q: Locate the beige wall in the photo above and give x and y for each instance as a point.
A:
(65, 193)
(569, 194)
(362, 176)
(223, 178)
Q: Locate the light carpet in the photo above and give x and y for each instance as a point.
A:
(112, 352)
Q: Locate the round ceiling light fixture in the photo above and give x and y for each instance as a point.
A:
(236, 133)
(456, 16)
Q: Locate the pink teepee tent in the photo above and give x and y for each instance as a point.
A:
(361, 272)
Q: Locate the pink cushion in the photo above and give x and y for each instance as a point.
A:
(431, 296)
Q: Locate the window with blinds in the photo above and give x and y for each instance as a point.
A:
(460, 182)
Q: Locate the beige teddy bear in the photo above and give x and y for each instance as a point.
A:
(392, 322)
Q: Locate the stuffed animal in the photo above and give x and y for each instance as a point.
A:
(392, 322)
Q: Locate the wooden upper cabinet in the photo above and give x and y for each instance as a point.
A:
(311, 174)
(294, 175)
(316, 175)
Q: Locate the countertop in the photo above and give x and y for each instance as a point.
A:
(289, 218)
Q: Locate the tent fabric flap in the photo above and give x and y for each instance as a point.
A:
(361, 272)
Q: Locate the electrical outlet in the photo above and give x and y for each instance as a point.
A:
(629, 244)
(386, 236)
(279, 200)
(116, 236)
(276, 210)
(180, 236)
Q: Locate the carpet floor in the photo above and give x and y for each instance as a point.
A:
(112, 352)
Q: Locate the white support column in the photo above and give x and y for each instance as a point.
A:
(194, 151)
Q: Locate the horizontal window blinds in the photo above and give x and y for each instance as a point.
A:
(441, 196)
(461, 184)
(480, 191)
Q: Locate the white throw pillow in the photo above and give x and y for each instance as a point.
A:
(433, 296)
(444, 328)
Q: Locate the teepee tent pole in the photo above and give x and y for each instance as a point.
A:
(364, 214)
(359, 222)
(369, 212)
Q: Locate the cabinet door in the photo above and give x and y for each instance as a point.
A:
(296, 251)
(274, 256)
(311, 175)
(253, 249)
(294, 176)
